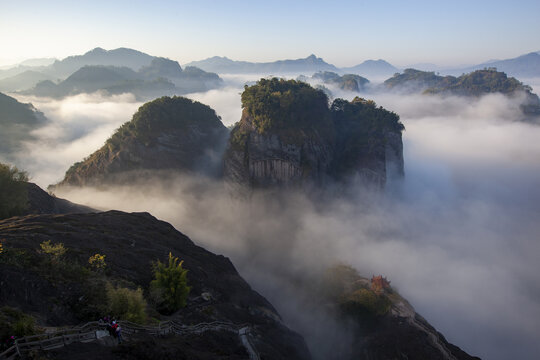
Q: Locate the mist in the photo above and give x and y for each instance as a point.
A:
(78, 125)
(458, 237)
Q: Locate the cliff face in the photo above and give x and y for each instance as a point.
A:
(262, 160)
(275, 143)
(167, 134)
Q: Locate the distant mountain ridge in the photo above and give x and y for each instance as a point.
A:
(23, 81)
(523, 66)
(225, 65)
(161, 77)
(377, 68)
(117, 57)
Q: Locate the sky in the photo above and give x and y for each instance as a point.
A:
(344, 33)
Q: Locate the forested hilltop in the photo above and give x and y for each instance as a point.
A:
(169, 133)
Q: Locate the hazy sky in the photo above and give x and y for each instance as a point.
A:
(342, 32)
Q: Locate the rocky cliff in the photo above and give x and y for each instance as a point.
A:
(262, 160)
(169, 133)
(289, 136)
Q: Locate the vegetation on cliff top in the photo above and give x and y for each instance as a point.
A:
(277, 104)
(164, 114)
(356, 297)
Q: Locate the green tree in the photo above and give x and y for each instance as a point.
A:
(13, 191)
(169, 288)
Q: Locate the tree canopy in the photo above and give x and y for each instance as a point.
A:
(163, 114)
(169, 287)
(276, 104)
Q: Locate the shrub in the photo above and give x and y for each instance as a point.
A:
(15, 323)
(169, 289)
(97, 262)
(365, 304)
(126, 304)
(53, 251)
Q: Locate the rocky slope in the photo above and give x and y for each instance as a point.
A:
(167, 133)
(382, 324)
(61, 292)
(288, 136)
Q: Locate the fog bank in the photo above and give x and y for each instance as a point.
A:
(458, 237)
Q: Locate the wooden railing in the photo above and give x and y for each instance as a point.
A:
(88, 332)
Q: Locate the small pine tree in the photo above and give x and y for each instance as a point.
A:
(169, 288)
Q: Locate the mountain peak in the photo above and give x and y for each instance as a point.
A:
(97, 50)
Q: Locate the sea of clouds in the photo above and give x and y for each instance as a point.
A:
(459, 237)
